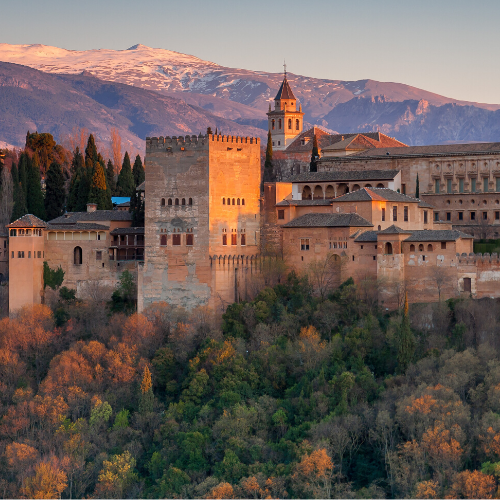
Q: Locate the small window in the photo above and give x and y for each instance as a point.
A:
(233, 201)
(77, 256)
(497, 184)
(405, 214)
(20, 255)
(448, 215)
(436, 216)
(289, 124)
(170, 202)
(374, 257)
(176, 239)
(395, 213)
(243, 239)
(460, 216)
(436, 186)
(238, 201)
(388, 248)
(272, 126)
(448, 186)
(429, 248)
(13, 232)
(467, 285)
(497, 215)
(304, 244)
(242, 201)
(190, 201)
(163, 240)
(485, 184)
(281, 214)
(473, 216)
(39, 254)
(412, 248)
(98, 255)
(234, 239)
(443, 245)
(473, 185)
(12, 255)
(224, 239)
(361, 247)
(163, 202)
(177, 201)
(383, 215)
(279, 124)
(189, 240)
(403, 188)
(421, 247)
(485, 215)
(223, 201)
(229, 201)
(297, 125)
(425, 216)
(29, 254)
(183, 201)
(460, 185)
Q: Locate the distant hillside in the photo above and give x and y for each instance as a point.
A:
(34, 100)
(243, 96)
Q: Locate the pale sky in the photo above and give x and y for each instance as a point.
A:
(450, 47)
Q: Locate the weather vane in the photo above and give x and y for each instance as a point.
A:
(284, 66)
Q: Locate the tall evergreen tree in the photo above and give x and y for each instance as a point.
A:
(98, 189)
(126, 184)
(406, 341)
(138, 171)
(313, 166)
(34, 199)
(54, 191)
(91, 150)
(268, 164)
(77, 168)
(22, 170)
(83, 190)
(417, 189)
(209, 131)
(110, 177)
(19, 208)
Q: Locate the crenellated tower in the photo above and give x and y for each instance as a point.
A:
(285, 122)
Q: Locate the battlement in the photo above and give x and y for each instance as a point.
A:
(477, 258)
(193, 142)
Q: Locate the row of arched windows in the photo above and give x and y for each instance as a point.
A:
(235, 201)
(176, 201)
(297, 124)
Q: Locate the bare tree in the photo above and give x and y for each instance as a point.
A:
(326, 274)
(77, 138)
(116, 148)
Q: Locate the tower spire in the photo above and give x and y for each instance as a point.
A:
(284, 68)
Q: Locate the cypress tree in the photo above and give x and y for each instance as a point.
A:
(209, 130)
(313, 166)
(146, 401)
(417, 189)
(77, 168)
(125, 185)
(110, 177)
(98, 190)
(83, 190)
(268, 165)
(91, 150)
(19, 208)
(34, 197)
(406, 341)
(138, 171)
(22, 172)
(54, 191)
(137, 209)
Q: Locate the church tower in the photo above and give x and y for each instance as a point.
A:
(284, 122)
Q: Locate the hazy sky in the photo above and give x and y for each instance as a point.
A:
(450, 47)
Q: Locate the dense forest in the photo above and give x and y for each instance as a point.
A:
(285, 396)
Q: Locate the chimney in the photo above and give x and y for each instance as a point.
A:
(91, 207)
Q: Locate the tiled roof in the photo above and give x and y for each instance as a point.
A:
(141, 187)
(394, 230)
(367, 236)
(439, 235)
(128, 230)
(378, 194)
(28, 220)
(329, 220)
(424, 204)
(345, 175)
(78, 226)
(98, 215)
(125, 204)
(304, 203)
(285, 92)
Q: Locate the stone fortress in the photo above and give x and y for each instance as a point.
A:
(209, 219)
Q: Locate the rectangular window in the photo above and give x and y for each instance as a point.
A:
(12, 253)
(403, 188)
(5, 243)
(436, 186)
(497, 215)
(460, 216)
(98, 255)
(243, 239)
(467, 285)
(473, 216)
(436, 216)
(189, 240)
(383, 214)
(473, 185)
(405, 214)
(29, 254)
(425, 216)
(395, 213)
(448, 215)
(485, 184)
(224, 239)
(234, 239)
(20, 254)
(176, 239)
(448, 185)
(443, 245)
(304, 244)
(374, 257)
(281, 214)
(460, 185)
(39, 254)
(485, 215)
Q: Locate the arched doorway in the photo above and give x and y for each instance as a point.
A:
(318, 193)
(388, 248)
(342, 189)
(306, 193)
(330, 192)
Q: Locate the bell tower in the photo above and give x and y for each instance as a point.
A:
(285, 122)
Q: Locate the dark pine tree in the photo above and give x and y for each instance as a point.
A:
(99, 193)
(34, 199)
(209, 130)
(268, 165)
(138, 171)
(406, 341)
(417, 189)
(91, 150)
(313, 166)
(19, 208)
(77, 169)
(54, 191)
(110, 177)
(22, 170)
(126, 184)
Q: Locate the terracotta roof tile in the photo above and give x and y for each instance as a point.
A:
(285, 92)
(98, 215)
(28, 220)
(329, 220)
(345, 175)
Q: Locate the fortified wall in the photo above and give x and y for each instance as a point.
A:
(202, 219)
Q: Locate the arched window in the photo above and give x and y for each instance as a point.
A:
(177, 201)
(307, 193)
(318, 192)
(190, 201)
(429, 248)
(368, 185)
(229, 201)
(356, 187)
(238, 201)
(272, 124)
(279, 123)
(163, 202)
(223, 201)
(330, 191)
(163, 240)
(420, 247)
(233, 201)
(297, 125)
(77, 256)
(242, 201)
(289, 124)
(379, 228)
(170, 202)
(224, 239)
(388, 248)
(243, 239)
(412, 248)
(183, 201)
(380, 185)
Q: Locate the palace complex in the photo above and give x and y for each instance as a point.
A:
(400, 218)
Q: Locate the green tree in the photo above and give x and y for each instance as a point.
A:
(99, 193)
(406, 341)
(110, 177)
(268, 164)
(126, 184)
(137, 207)
(313, 166)
(34, 196)
(77, 171)
(123, 298)
(138, 171)
(91, 150)
(52, 278)
(19, 198)
(417, 189)
(209, 131)
(22, 172)
(54, 192)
